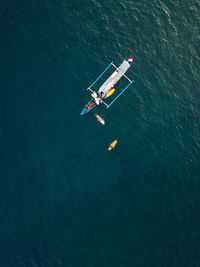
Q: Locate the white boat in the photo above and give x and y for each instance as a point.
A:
(108, 85)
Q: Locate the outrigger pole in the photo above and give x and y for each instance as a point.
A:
(89, 88)
(120, 93)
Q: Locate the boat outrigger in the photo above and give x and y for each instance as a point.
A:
(107, 88)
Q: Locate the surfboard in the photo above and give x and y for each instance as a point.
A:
(112, 145)
(110, 93)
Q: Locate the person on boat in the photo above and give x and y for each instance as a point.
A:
(100, 95)
(96, 98)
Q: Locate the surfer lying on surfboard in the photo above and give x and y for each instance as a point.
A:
(100, 119)
(112, 145)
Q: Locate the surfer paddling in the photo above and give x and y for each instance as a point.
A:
(100, 119)
(112, 145)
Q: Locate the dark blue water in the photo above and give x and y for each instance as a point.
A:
(66, 201)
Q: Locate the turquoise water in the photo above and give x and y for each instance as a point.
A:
(66, 201)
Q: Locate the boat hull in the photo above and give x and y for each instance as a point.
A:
(90, 105)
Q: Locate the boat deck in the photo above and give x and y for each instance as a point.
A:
(115, 77)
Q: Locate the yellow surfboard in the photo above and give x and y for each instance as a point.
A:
(112, 145)
(110, 92)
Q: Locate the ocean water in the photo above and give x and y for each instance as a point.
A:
(66, 201)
